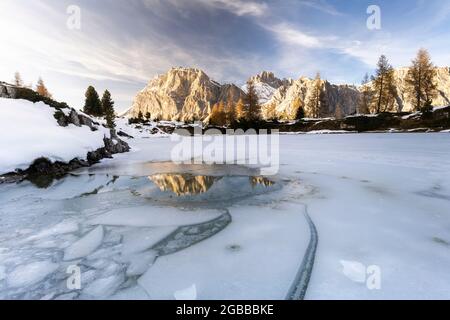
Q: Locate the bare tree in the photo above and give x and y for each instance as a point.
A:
(18, 80)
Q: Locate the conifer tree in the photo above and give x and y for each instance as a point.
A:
(241, 111)
(384, 87)
(316, 97)
(252, 104)
(92, 104)
(218, 115)
(108, 109)
(422, 88)
(271, 111)
(231, 112)
(366, 96)
(300, 110)
(41, 89)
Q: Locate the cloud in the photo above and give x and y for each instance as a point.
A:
(240, 7)
(322, 6)
(290, 35)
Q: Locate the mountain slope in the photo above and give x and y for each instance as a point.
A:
(182, 94)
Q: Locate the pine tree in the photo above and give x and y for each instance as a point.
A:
(384, 87)
(316, 97)
(241, 111)
(92, 104)
(18, 80)
(41, 89)
(252, 104)
(108, 109)
(421, 80)
(148, 116)
(366, 96)
(140, 115)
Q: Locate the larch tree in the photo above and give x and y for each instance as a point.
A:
(251, 102)
(42, 90)
(241, 111)
(92, 104)
(316, 97)
(366, 96)
(421, 80)
(231, 112)
(18, 80)
(339, 112)
(384, 87)
(108, 109)
(271, 111)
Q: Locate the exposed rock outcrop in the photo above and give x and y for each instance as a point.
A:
(287, 99)
(189, 94)
(182, 94)
(266, 84)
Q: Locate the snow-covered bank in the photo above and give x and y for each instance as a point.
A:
(29, 131)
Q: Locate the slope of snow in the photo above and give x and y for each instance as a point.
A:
(29, 131)
(264, 91)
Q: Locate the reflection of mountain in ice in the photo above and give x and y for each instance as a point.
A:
(183, 184)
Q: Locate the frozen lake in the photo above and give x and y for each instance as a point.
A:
(369, 212)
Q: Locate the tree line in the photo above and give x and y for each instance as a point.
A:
(40, 88)
(379, 92)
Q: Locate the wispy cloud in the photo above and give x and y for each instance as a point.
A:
(240, 7)
(322, 6)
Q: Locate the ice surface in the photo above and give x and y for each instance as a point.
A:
(376, 200)
(146, 216)
(256, 256)
(104, 287)
(86, 245)
(187, 294)
(31, 273)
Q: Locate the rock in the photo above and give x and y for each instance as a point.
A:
(266, 84)
(182, 94)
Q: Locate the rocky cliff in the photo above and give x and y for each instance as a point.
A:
(266, 84)
(182, 94)
(287, 99)
(189, 94)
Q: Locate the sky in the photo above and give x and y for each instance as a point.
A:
(121, 45)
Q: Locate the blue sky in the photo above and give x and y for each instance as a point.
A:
(123, 44)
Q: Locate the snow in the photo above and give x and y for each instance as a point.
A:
(86, 245)
(29, 274)
(29, 131)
